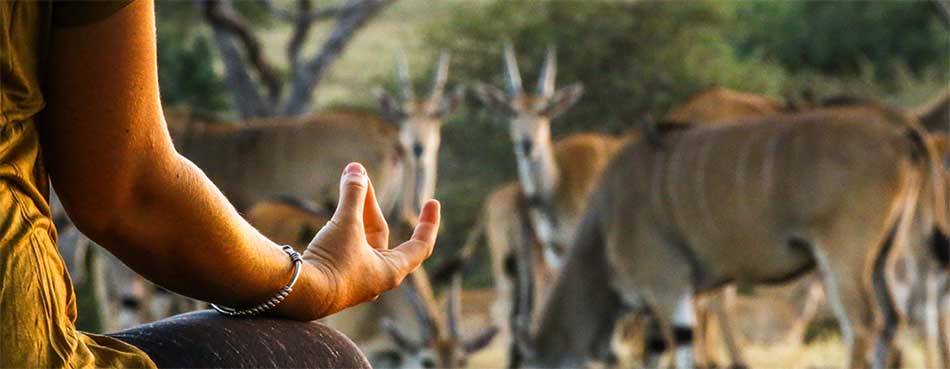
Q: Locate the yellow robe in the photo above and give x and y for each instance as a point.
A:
(37, 301)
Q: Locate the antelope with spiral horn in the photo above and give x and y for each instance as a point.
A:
(840, 190)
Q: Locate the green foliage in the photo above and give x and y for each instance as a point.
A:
(186, 75)
(840, 37)
(186, 59)
(633, 57)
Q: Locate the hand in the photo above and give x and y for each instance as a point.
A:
(352, 250)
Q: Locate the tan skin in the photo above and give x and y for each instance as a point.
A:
(113, 164)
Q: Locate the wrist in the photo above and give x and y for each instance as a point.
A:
(312, 297)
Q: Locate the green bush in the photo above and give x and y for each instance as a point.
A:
(186, 60)
(187, 77)
(840, 37)
(633, 57)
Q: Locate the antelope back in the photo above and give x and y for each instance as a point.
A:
(720, 105)
(580, 159)
(760, 178)
(299, 157)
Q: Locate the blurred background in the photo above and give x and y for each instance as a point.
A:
(634, 58)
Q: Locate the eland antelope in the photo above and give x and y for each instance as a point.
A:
(724, 106)
(299, 157)
(505, 229)
(833, 190)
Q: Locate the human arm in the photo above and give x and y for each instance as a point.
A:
(113, 164)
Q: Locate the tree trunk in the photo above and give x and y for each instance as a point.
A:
(307, 77)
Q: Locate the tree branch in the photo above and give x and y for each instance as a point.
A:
(247, 99)
(223, 18)
(309, 15)
(279, 12)
(301, 30)
(353, 18)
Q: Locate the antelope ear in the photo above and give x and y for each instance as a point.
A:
(563, 99)
(389, 107)
(402, 341)
(451, 102)
(481, 340)
(494, 99)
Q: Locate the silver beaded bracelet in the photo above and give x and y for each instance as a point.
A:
(276, 299)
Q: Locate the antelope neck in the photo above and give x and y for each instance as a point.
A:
(539, 176)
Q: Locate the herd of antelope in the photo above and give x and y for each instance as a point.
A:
(619, 250)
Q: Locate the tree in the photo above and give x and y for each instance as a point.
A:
(263, 95)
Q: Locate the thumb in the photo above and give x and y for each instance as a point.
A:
(353, 187)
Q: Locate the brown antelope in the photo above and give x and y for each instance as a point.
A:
(505, 230)
(555, 178)
(833, 190)
(299, 157)
(403, 328)
(724, 106)
(926, 285)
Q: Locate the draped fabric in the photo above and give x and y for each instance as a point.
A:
(37, 301)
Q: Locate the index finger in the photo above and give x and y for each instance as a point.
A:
(410, 254)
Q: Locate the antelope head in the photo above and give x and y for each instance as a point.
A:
(441, 344)
(530, 116)
(420, 122)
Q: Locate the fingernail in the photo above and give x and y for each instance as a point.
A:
(354, 168)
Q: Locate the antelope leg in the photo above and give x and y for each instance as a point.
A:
(726, 329)
(931, 321)
(706, 353)
(943, 302)
(654, 344)
(676, 319)
(886, 353)
(851, 306)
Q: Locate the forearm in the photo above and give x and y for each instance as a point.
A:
(178, 230)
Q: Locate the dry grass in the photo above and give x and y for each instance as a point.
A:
(824, 353)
